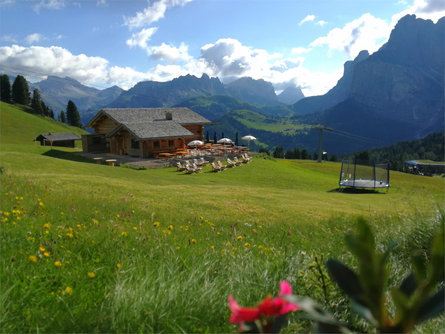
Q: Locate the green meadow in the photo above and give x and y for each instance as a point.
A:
(90, 248)
(254, 120)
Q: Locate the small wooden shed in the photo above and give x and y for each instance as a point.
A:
(57, 139)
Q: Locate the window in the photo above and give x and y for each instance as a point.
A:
(97, 140)
(156, 144)
(171, 143)
(134, 144)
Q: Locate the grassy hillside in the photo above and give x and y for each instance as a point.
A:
(19, 127)
(93, 248)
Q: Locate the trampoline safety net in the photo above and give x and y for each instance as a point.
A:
(362, 174)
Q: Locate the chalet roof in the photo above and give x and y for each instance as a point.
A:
(58, 136)
(153, 130)
(183, 116)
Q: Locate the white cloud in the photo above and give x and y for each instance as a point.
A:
(364, 33)
(34, 38)
(169, 53)
(8, 38)
(40, 61)
(425, 9)
(154, 12)
(321, 22)
(300, 50)
(226, 58)
(308, 18)
(49, 4)
(6, 2)
(141, 38)
(166, 52)
(101, 3)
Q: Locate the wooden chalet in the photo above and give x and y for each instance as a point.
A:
(143, 132)
(57, 139)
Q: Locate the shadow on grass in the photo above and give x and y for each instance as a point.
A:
(73, 156)
(357, 191)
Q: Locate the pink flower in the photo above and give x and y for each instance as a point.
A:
(269, 307)
(242, 314)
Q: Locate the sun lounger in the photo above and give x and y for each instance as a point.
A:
(180, 167)
(230, 163)
(203, 162)
(215, 168)
(220, 164)
(236, 161)
(189, 169)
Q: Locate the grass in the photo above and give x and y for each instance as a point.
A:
(254, 120)
(123, 250)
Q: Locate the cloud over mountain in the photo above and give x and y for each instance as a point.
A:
(364, 33)
(154, 12)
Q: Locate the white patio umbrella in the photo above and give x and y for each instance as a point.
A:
(225, 141)
(248, 138)
(195, 143)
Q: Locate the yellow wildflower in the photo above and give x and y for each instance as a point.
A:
(193, 241)
(156, 224)
(118, 265)
(124, 234)
(212, 247)
(42, 249)
(170, 227)
(47, 225)
(33, 258)
(47, 254)
(68, 289)
(91, 274)
(58, 264)
(246, 244)
(240, 237)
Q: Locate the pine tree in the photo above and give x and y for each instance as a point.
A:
(20, 91)
(36, 103)
(278, 152)
(72, 114)
(51, 113)
(45, 109)
(5, 89)
(62, 117)
(236, 139)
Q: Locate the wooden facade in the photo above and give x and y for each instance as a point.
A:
(58, 139)
(145, 132)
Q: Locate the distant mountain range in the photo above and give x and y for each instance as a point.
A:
(57, 91)
(395, 94)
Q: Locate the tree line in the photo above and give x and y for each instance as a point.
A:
(429, 148)
(19, 93)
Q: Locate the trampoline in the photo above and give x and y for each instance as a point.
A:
(361, 174)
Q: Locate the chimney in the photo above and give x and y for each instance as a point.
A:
(168, 116)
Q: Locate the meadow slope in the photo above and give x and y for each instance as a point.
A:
(93, 248)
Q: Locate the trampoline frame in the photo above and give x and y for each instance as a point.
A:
(363, 183)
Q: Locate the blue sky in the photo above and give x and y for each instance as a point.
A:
(121, 42)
